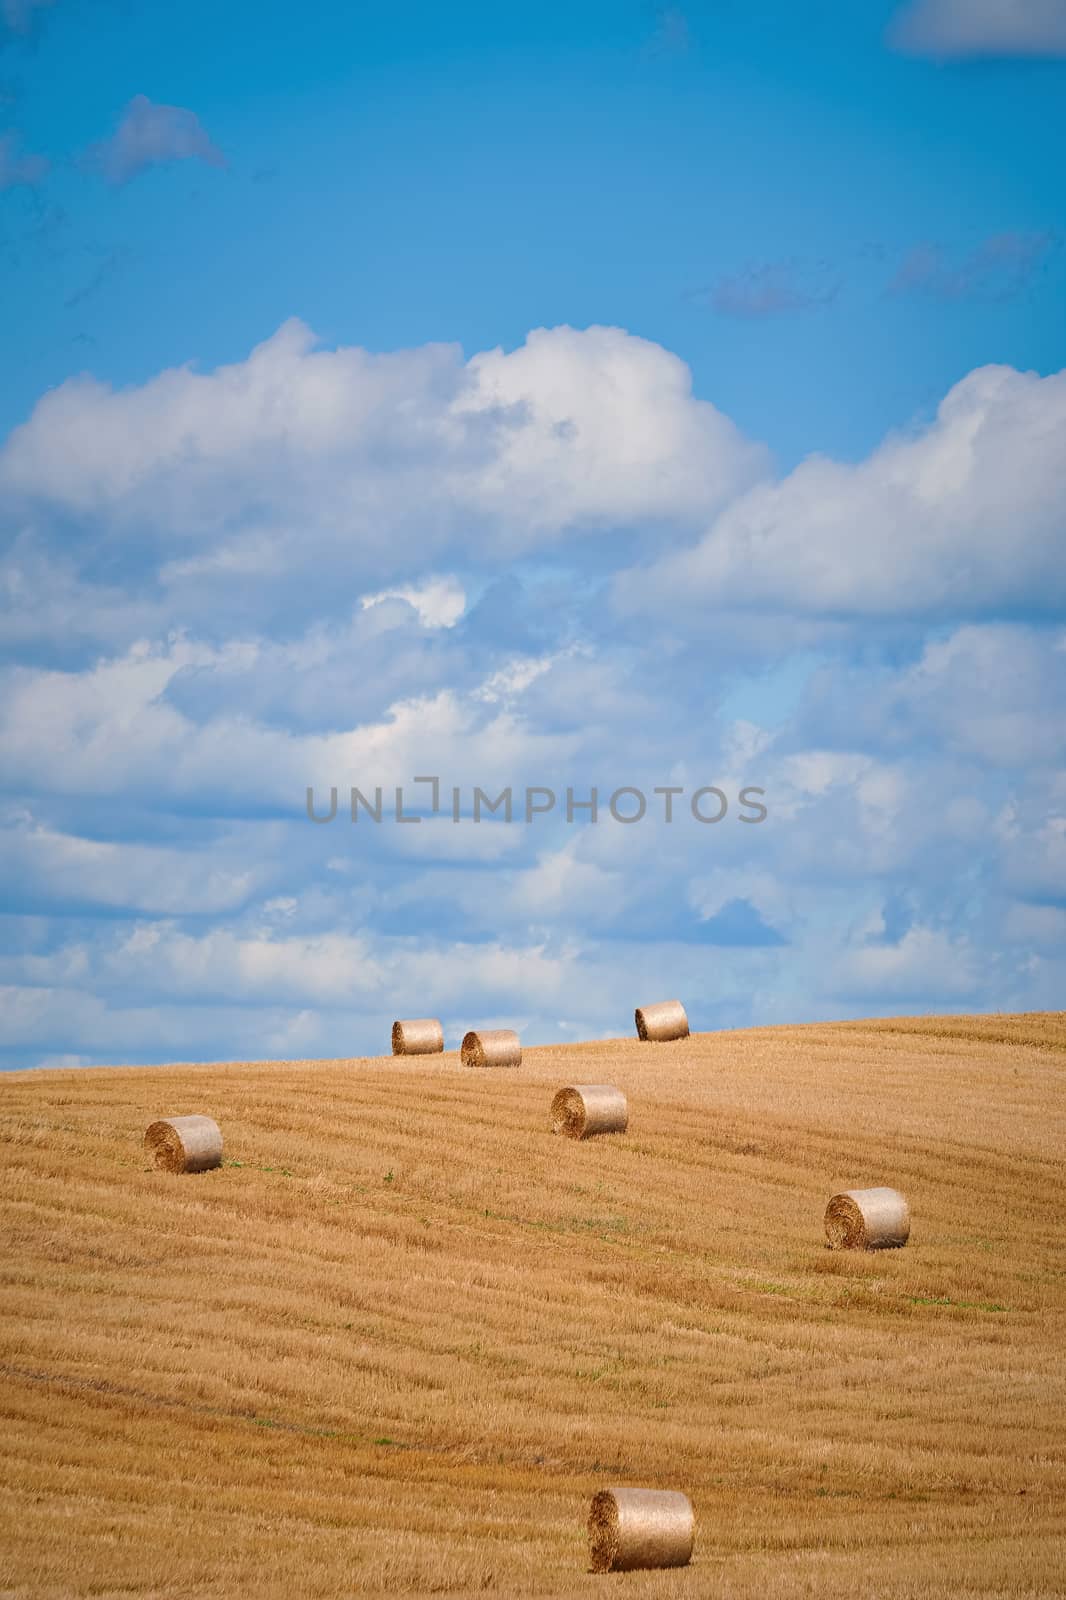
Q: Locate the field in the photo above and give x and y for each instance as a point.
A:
(398, 1339)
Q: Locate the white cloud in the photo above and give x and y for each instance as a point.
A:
(161, 961)
(326, 969)
(949, 28)
(766, 891)
(996, 692)
(150, 135)
(1034, 855)
(343, 461)
(1036, 925)
(915, 793)
(440, 602)
(66, 870)
(109, 730)
(607, 430)
(925, 962)
(438, 839)
(962, 517)
(561, 883)
(44, 599)
(518, 674)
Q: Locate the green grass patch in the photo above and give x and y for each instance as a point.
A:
(958, 1305)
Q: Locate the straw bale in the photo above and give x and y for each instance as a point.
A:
(184, 1144)
(420, 1036)
(867, 1219)
(585, 1109)
(493, 1047)
(632, 1528)
(666, 1020)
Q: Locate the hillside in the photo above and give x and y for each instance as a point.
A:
(400, 1337)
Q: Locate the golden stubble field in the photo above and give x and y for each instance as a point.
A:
(400, 1337)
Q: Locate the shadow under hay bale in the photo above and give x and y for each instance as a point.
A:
(634, 1528)
(184, 1144)
(494, 1047)
(586, 1109)
(420, 1036)
(666, 1020)
(867, 1219)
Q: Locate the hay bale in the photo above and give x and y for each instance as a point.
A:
(493, 1047)
(667, 1020)
(867, 1219)
(184, 1144)
(421, 1036)
(589, 1108)
(631, 1528)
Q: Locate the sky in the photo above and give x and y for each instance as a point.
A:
(539, 398)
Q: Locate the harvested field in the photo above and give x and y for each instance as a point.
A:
(403, 1334)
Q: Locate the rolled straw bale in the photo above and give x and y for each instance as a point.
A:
(421, 1036)
(184, 1144)
(493, 1047)
(867, 1219)
(667, 1020)
(631, 1528)
(588, 1108)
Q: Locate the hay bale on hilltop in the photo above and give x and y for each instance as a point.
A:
(586, 1109)
(184, 1144)
(419, 1036)
(633, 1528)
(666, 1020)
(493, 1047)
(867, 1219)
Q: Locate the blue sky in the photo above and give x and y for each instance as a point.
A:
(293, 490)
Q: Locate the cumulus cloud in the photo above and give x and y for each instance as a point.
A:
(962, 28)
(926, 962)
(45, 867)
(300, 470)
(993, 692)
(1036, 925)
(167, 702)
(439, 602)
(112, 730)
(151, 135)
(963, 517)
(48, 606)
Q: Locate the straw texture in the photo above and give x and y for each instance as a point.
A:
(184, 1144)
(867, 1219)
(420, 1036)
(666, 1020)
(494, 1047)
(589, 1108)
(631, 1528)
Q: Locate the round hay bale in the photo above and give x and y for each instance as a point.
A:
(666, 1020)
(589, 1108)
(632, 1528)
(867, 1219)
(184, 1144)
(421, 1036)
(493, 1047)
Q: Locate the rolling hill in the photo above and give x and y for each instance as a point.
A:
(399, 1338)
